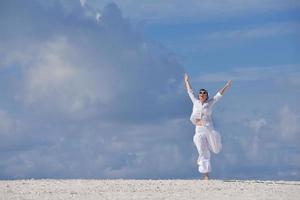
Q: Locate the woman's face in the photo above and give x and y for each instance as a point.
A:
(202, 95)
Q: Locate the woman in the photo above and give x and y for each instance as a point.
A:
(206, 138)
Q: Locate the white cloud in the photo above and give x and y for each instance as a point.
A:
(108, 150)
(74, 72)
(83, 2)
(89, 92)
(54, 81)
(98, 17)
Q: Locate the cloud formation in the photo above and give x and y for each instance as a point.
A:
(83, 84)
(75, 67)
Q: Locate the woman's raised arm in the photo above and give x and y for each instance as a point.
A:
(187, 83)
(189, 88)
(227, 85)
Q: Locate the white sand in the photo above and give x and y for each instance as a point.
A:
(148, 189)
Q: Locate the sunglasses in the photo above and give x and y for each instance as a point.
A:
(202, 92)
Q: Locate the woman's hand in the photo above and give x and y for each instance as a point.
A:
(187, 83)
(228, 84)
(186, 77)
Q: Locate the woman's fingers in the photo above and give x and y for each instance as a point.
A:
(186, 77)
(229, 83)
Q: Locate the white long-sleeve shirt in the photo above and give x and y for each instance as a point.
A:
(203, 111)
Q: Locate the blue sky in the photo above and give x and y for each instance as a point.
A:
(94, 89)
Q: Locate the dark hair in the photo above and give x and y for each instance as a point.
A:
(202, 89)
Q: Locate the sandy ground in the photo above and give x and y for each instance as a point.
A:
(148, 189)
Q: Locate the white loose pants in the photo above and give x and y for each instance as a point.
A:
(206, 140)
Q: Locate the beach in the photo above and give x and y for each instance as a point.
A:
(147, 189)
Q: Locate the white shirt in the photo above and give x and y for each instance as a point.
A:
(203, 111)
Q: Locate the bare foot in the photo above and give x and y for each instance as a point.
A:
(205, 176)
